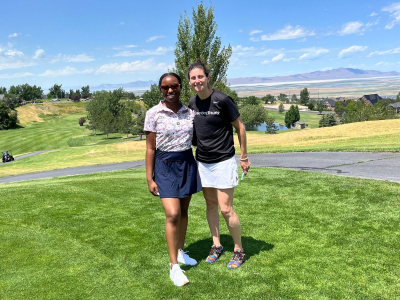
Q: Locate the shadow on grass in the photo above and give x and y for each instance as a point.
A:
(199, 250)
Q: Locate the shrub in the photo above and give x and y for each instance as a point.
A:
(82, 121)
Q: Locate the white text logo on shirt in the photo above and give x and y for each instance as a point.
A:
(205, 113)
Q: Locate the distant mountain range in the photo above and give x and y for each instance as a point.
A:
(340, 73)
(127, 86)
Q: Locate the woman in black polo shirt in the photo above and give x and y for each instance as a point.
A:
(215, 114)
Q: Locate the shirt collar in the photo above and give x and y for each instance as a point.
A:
(161, 107)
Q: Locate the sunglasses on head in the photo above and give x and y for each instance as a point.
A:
(174, 86)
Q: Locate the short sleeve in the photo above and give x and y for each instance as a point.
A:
(231, 109)
(150, 122)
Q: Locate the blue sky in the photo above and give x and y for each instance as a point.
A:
(75, 43)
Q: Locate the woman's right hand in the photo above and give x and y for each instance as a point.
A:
(153, 188)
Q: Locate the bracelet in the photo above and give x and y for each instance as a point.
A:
(243, 159)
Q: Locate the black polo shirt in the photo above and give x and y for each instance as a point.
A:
(213, 128)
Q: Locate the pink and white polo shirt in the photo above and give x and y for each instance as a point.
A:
(174, 131)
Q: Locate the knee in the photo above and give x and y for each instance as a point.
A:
(227, 211)
(173, 216)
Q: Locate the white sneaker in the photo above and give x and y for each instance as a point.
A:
(177, 276)
(183, 258)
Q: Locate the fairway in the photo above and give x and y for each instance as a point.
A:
(101, 236)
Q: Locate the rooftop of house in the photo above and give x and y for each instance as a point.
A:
(373, 98)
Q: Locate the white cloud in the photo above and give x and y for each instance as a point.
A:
(240, 30)
(147, 65)
(243, 51)
(253, 32)
(153, 38)
(265, 52)
(13, 59)
(313, 53)
(14, 53)
(78, 58)
(382, 63)
(16, 75)
(373, 14)
(67, 71)
(289, 59)
(394, 10)
(391, 51)
(13, 35)
(266, 62)
(287, 33)
(121, 23)
(72, 58)
(348, 52)
(351, 27)
(124, 47)
(278, 57)
(158, 51)
(39, 54)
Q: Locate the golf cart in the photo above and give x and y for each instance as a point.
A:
(6, 157)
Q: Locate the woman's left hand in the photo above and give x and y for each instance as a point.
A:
(245, 164)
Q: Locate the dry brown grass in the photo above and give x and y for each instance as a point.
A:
(34, 112)
(346, 133)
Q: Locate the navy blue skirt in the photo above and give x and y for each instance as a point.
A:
(176, 174)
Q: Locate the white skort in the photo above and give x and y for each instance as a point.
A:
(221, 175)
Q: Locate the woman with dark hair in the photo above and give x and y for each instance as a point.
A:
(171, 170)
(215, 114)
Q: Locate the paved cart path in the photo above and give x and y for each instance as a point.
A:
(382, 165)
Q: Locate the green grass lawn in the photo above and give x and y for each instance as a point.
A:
(58, 131)
(101, 236)
(309, 118)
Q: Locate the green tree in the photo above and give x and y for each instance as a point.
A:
(8, 117)
(103, 102)
(15, 90)
(304, 96)
(251, 100)
(11, 100)
(292, 116)
(3, 90)
(125, 121)
(320, 107)
(139, 123)
(283, 98)
(268, 98)
(108, 123)
(328, 120)
(56, 91)
(253, 116)
(294, 99)
(152, 97)
(270, 125)
(340, 110)
(197, 39)
(281, 108)
(398, 97)
(130, 95)
(296, 113)
(85, 90)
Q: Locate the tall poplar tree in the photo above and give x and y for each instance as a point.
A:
(197, 39)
